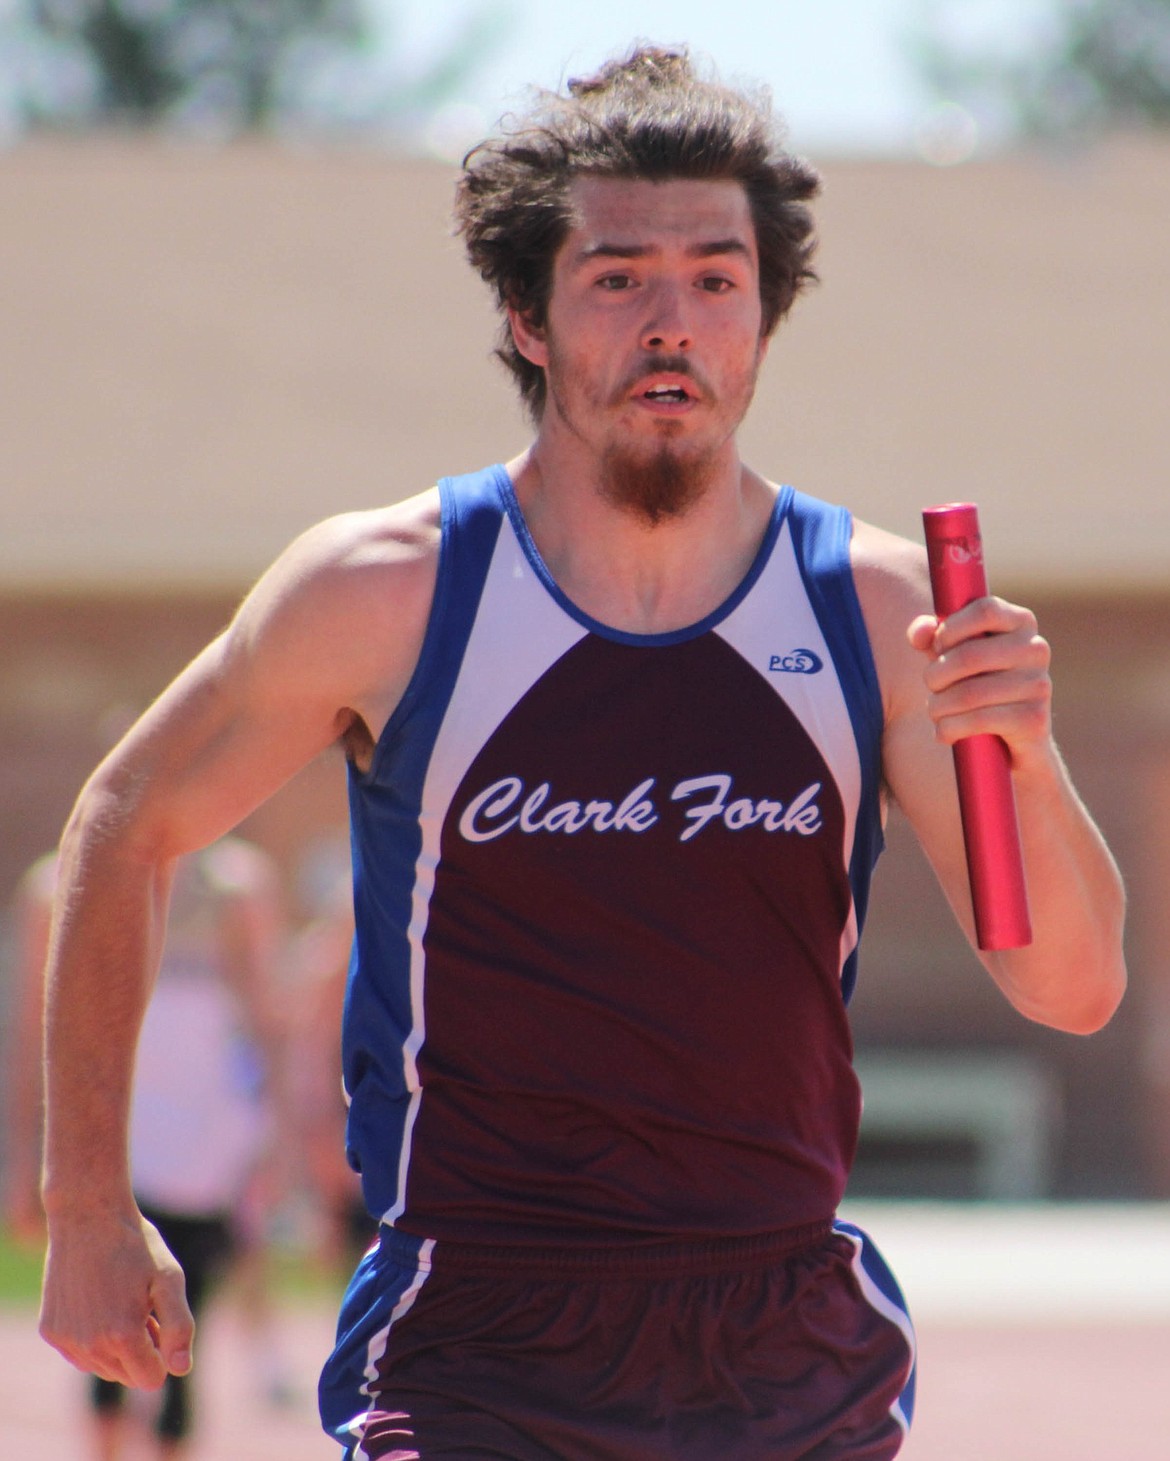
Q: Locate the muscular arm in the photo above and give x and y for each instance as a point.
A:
(320, 649)
(987, 671)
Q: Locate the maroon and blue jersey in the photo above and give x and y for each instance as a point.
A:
(609, 889)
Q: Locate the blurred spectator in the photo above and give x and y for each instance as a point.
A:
(202, 1138)
(22, 1163)
(319, 969)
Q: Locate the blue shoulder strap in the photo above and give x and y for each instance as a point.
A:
(822, 534)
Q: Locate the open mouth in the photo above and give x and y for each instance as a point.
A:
(666, 395)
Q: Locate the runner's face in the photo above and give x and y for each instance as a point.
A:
(652, 343)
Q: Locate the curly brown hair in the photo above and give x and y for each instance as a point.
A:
(648, 115)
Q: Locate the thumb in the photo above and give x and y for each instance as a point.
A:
(171, 1325)
(922, 630)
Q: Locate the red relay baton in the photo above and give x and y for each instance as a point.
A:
(991, 833)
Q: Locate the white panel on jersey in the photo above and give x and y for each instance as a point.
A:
(776, 630)
(487, 688)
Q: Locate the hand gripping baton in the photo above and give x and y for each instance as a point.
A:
(991, 833)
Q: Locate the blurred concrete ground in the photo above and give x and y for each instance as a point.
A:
(1044, 1335)
(1084, 1262)
(42, 1399)
(1044, 1332)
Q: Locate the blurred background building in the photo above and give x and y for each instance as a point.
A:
(230, 305)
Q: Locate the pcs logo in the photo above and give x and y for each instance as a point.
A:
(797, 662)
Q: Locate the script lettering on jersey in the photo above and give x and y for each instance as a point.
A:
(801, 815)
(507, 806)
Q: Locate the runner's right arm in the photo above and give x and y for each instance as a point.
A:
(319, 651)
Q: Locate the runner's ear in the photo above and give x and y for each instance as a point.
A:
(528, 337)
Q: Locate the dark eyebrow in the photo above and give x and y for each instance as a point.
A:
(714, 248)
(721, 246)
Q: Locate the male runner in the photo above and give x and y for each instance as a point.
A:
(622, 718)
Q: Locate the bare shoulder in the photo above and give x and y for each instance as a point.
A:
(887, 565)
(357, 570)
(344, 609)
(388, 552)
(893, 586)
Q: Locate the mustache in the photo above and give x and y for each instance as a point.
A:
(662, 365)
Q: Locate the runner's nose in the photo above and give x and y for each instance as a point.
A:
(668, 328)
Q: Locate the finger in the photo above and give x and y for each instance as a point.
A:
(136, 1360)
(1018, 659)
(126, 1356)
(922, 631)
(173, 1330)
(1021, 720)
(987, 616)
(1007, 693)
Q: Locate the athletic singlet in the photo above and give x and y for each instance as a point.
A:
(608, 893)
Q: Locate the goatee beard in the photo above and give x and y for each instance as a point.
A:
(653, 488)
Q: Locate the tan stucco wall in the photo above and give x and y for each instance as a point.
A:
(205, 350)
